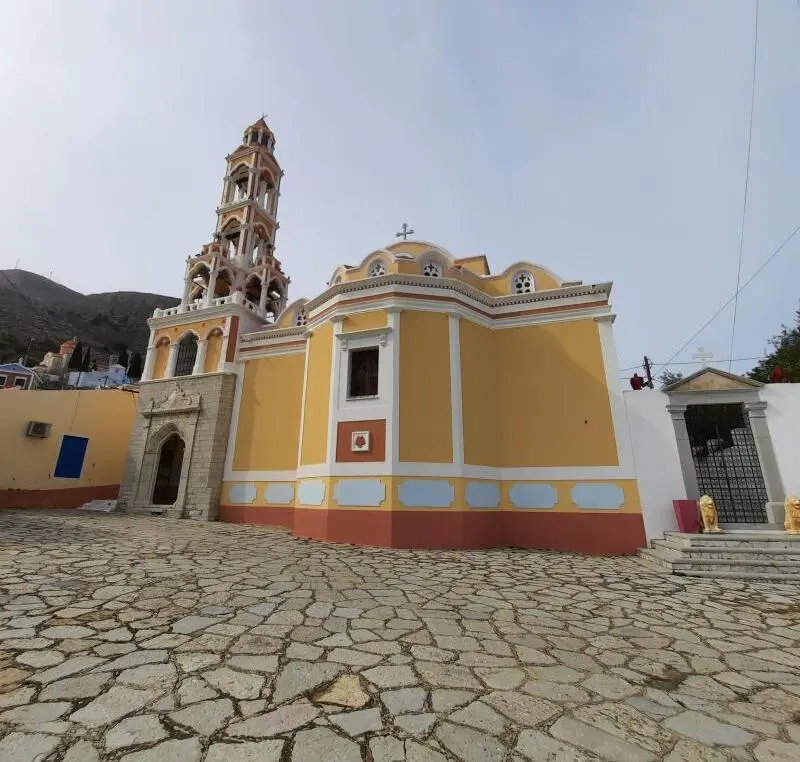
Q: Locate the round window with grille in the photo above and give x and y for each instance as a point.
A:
(523, 283)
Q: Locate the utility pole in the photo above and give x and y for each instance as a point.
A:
(27, 352)
(648, 371)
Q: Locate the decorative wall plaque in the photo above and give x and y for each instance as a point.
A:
(359, 441)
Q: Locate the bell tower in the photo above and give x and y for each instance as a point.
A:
(241, 258)
(235, 285)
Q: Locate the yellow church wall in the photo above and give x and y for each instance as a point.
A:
(201, 327)
(476, 265)
(425, 407)
(29, 463)
(535, 396)
(162, 356)
(317, 398)
(501, 285)
(213, 352)
(480, 382)
(364, 321)
(268, 429)
(553, 404)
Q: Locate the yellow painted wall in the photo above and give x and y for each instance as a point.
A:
(477, 265)
(268, 429)
(500, 285)
(318, 383)
(105, 417)
(213, 352)
(201, 328)
(536, 396)
(364, 321)
(160, 363)
(480, 381)
(425, 409)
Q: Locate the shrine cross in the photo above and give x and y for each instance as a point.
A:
(702, 355)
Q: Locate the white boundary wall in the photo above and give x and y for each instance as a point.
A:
(656, 453)
(783, 421)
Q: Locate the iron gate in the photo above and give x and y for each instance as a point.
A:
(726, 462)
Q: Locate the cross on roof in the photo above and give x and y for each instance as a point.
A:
(405, 232)
(702, 355)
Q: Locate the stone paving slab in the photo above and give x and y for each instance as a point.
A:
(146, 639)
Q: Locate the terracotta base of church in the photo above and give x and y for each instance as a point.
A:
(71, 497)
(591, 533)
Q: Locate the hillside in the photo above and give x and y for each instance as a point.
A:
(32, 306)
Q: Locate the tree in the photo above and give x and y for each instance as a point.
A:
(785, 354)
(669, 377)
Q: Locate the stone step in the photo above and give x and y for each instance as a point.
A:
(719, 560)
(786, 578)
(716, 550)
(726, 540)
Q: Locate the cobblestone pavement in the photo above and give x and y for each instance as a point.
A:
(150, 640)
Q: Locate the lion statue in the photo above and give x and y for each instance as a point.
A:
(791, 521)
(708, 514)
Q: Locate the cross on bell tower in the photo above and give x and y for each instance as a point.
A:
(240, 263)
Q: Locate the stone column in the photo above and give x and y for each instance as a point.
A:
(171, 358)
(187, 287)
(678, 414)
(150, 358)
(200, 357)
(262, 301)
(212, 285)
(757, 412)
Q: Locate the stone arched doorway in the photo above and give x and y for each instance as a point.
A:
(168, 471)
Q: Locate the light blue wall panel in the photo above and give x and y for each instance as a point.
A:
(537, 496)
(242, 493)
(311, 492)
(279, 493)
(598, 496)
(482, 495)
(360, 492)
(426, 493)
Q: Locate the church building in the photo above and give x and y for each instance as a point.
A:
(418, 401)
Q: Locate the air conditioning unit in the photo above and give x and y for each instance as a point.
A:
(38, 429)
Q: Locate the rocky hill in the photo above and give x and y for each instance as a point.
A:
(32, 306)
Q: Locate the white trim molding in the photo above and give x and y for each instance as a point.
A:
(619, 414)
(439, 471)
(457, 420)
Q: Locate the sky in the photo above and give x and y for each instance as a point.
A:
(603, 139)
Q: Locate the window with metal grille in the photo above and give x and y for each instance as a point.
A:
(363, 381)
(187, 351)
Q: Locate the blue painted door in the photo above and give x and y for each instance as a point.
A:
(70, 458)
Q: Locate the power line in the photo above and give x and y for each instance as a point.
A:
(746, 184)
(694, 362)
(738, 291)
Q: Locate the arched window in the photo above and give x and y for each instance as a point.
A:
(432, 269)
(187, 352)
(522, 283)
(376, 269)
